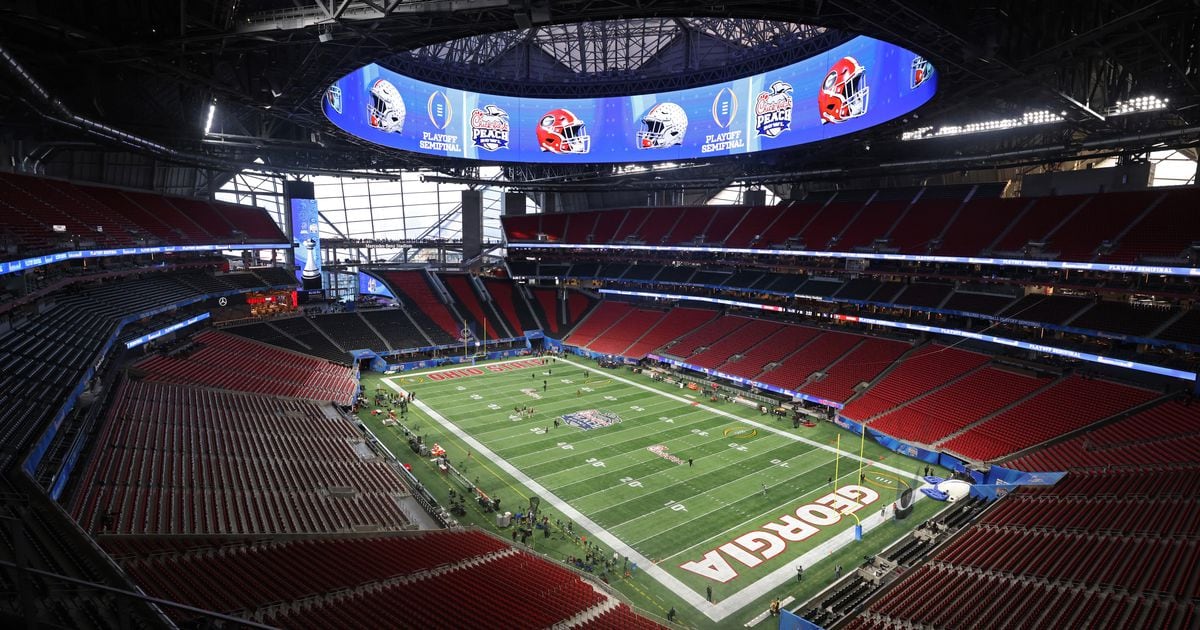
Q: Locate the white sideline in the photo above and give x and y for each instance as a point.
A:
(644, 563)
(727, 606)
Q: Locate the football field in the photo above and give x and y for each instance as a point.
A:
(698, 494)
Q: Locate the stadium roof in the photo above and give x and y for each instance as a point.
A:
(100, 79)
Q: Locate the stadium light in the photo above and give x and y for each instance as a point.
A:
(212, 109)
(1038, 117)
(1137, 105)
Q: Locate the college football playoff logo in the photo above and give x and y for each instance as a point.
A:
(724, 108)
(440, 111)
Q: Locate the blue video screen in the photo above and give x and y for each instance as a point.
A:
(858, 84)
(370, 285)
(306, 243)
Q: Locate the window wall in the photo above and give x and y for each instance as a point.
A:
(405, 208)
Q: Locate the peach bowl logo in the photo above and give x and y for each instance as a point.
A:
(489, 128)
(773, 110)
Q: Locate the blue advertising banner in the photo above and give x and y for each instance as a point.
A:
(133, 343)
(858, 84)
(892, 444)
(791, 621)
(848, 424)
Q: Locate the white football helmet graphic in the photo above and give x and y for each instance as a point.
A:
(387, 108)
(663, 126)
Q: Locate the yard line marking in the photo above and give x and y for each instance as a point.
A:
(765, 427)
(701, 494)
(703, 459)
(729, 605)
(758, 518)
(671, 582)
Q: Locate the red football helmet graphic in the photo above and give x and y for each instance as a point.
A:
(560, 131)
(844, 92)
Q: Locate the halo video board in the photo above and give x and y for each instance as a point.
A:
(858, 84)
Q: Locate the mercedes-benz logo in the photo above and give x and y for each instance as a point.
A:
(222, 301)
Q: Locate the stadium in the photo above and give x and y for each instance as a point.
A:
(599, 314)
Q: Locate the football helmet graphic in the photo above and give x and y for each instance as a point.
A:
(560, 131)
(663, 126)
(921, 71)
(387, 108)
(844, 92)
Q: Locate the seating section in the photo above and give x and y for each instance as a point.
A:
(756, 358)
(1050, 309)
(927, 369)
(183, 460)
(710, 333)
(43, 358)
(512, 304)
(1070, 404)
(929, 295)
(398, 580)
(470, 306)
(794, 370)
(1100, 550)
(1124, 318)
(668, 328)
(242, 575)
(1164, 233)
(957, 405)
(984, 303)
(861, 365)
(1110, 227)
(397, 329)
(917, 230)
(1101, 221)
(93, 216)
(348, 330)
(745, 336)
(301, 331)
(1186, 329)
(1164, 434)
(627, 330)
(229, 362)
(620, 617)
(550, 310)
(266, 333)
(600, 320)
(412, 287)
(517, 586)
(1036, 222)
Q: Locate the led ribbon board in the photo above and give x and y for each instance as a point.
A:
(1157, 270)
(133, 343)
(858, 84)
(49, 259)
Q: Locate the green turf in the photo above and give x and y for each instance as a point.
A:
(609, 475)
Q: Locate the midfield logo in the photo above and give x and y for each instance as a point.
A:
(591, 419)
